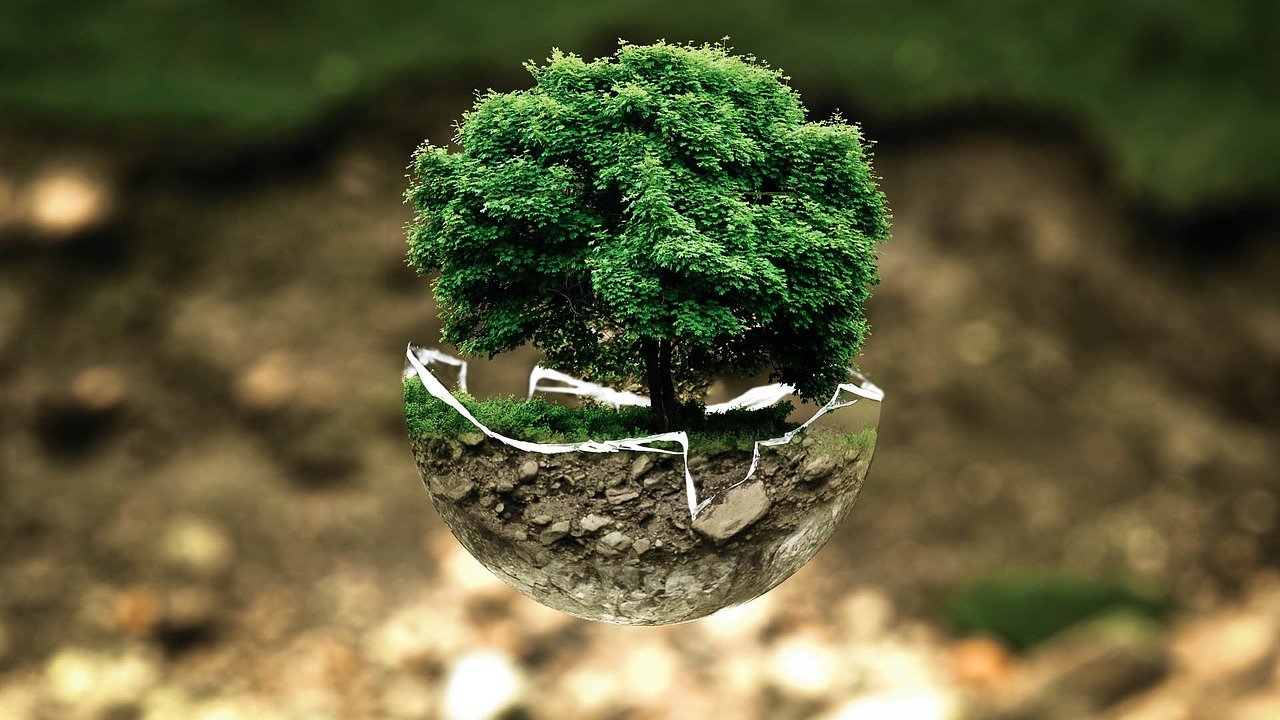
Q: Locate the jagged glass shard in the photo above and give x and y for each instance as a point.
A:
(634, 531)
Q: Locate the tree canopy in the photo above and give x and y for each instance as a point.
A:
(665, 212)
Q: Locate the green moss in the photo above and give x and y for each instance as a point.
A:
(1027, 608)
(537, 420)
(864, 441)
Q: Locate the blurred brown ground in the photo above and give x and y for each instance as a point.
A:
(208, 508)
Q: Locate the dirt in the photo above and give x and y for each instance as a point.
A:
(1065, 388)
(610, 536)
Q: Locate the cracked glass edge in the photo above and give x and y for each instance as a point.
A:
(419, 358)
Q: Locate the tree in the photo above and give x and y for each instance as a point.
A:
(664, 213)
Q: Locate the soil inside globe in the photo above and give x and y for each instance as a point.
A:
(609, 536)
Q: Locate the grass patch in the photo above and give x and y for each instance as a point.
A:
(864, 441)
(537, 420)
(1027, 608)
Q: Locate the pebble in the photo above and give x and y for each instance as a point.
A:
(640, 467)
(613, 543)
(736, 510)
(268, 384)
(651, 480)
(487, 500)
(472, 440)
(98, 389)
(818, 469)
(617, 496)
(483, 684)
(135, 611)
(641, 546)
(593, 522)
(504, 486)
(540, 519)
(448, 450)
(98, 682)
(452, 487)
(529, 469)
(981, 661)
(557, 530)
(65, 201)
(198, 547)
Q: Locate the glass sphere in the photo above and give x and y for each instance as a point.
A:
(650, 533)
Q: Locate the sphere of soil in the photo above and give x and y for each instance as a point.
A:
(609, 536)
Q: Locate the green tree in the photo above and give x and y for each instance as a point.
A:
(665, 214)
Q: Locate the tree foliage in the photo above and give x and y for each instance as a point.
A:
(664, 212)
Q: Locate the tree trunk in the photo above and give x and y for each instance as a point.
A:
(662, 389)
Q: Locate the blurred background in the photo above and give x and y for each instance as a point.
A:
(207, 504)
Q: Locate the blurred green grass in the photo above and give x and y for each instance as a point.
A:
(1024, 609)
(1182, 93)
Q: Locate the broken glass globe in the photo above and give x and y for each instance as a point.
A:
(645, 530)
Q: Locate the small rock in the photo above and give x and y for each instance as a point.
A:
(641, 546)
(737, 509)
(613, 543)
(472, 439)
(97, 683)
(504, 486)
(640, 466)
(484, 684)
(452, 487)
(981, 662)
(618, 496)
(557, 530)
(487, 501)
(529, 469)
(593, 522)
(497, 509)
(98, 389)
(450, 450)
(198, 547)
(518, 533)
(63, 201)
(268, 384)
(818, 469)
(135, 611)
(540, 519)
(653, 479)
